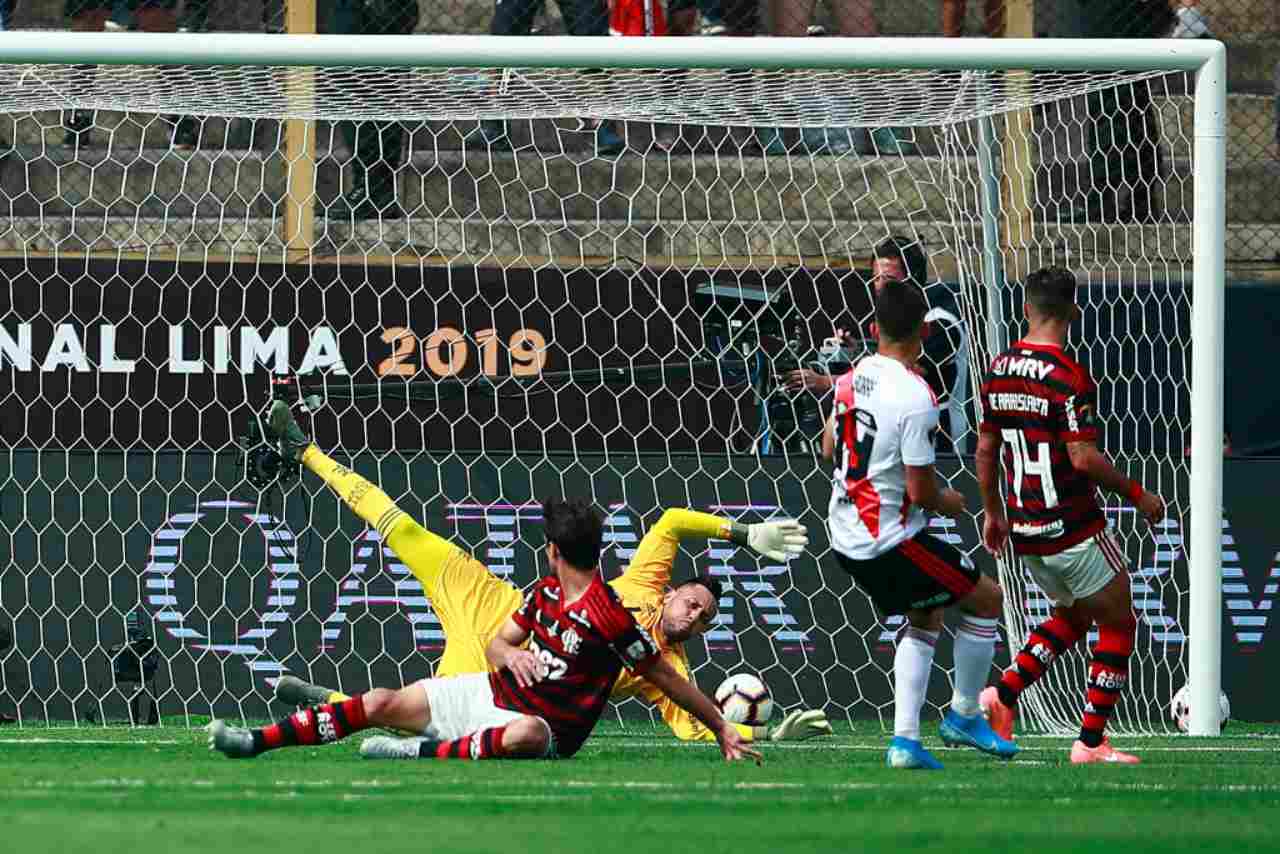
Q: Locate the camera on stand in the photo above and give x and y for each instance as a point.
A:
(133, 669)
(754, 333)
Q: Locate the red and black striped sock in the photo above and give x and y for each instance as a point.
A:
(1047, 641)
(485, 744)
(316, 725)
(1108, 674)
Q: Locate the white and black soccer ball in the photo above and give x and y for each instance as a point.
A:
(744, 699)
(1180, 708)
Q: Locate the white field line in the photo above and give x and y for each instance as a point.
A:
(818, 744)
(654, 790)
(130, 742)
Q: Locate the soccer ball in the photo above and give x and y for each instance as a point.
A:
(1180, 708)
(744, 699)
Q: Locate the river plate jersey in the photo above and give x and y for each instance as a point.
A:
(885, 419)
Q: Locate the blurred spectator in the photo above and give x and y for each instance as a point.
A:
(581, 18)
(945, 357)
(953, 13)
(858, 15)
(1191, 21)
(1123, 178)
(6, 12)
(148, 16)
(377, 148)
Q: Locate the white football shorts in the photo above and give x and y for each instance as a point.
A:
(1079, 571)
(461, 705)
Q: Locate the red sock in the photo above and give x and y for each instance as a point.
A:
(1108, 674)
(316, 725)
(1047, 641)
(486, 744)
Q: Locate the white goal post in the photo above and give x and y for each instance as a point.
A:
(1206, 59)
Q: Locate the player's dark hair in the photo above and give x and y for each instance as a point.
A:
(899, 248)
(1052, 292)
(577, 529)
(900, 311)
(713, 585)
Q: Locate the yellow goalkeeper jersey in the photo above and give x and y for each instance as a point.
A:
(641, 589)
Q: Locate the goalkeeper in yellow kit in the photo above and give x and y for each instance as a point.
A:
(473, 604)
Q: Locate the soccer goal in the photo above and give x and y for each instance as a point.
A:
(510, 267)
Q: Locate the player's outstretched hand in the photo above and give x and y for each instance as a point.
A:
(780, 539)
(800, 725)
(733, 747)
(1151, 506)
(995, 531)
(526, 667)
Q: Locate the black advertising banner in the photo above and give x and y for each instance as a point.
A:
(156, 354)
(239, 589)
(153, 354)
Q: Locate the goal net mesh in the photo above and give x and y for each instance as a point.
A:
(528, 314)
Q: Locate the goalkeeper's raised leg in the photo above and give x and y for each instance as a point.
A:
(426, 554)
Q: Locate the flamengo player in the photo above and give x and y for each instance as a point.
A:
(542, 701)
(473, 604)
(1038, 413)
(881, 434)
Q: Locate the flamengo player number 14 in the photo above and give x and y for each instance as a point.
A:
(1041, 466)
(446, 352)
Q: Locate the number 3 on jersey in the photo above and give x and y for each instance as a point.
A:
(1023, 465)
(856, 449)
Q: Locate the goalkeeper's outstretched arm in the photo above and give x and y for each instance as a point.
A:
(650, 567)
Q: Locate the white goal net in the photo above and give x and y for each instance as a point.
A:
(512, 282)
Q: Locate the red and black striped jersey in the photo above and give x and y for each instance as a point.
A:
(1038, 399)
(584, 646)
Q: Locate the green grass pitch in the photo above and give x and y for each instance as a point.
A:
(158, 789)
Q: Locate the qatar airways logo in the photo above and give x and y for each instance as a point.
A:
(220, 350)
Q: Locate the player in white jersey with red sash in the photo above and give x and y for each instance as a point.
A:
(881, 438)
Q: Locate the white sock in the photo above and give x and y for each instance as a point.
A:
(911, 665)
(975, 647)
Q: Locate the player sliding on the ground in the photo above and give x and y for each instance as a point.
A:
(1038, 413)
(882, 435)
(542, 701)
(472, 605)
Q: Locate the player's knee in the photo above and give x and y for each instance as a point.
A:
(1123, 621)
(379, 704)
(929, 620)
(527, 736)
(986, 600)
(1077, 618)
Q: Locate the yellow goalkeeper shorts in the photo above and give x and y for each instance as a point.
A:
(472, 604)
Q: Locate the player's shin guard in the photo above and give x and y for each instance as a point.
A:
(1108, 674)
(485, 744)
(975, 646)
(1047, 641)
(911, 664)
(316, 725)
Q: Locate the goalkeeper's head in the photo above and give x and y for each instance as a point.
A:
(690, 608)
(575, 534)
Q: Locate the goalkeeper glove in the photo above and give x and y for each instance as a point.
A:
(800, 725)
(780, 539)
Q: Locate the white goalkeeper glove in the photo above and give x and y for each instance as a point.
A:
(800, 725)
(780, 539)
